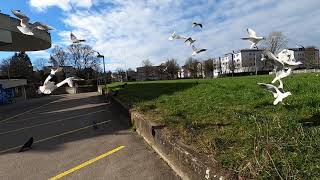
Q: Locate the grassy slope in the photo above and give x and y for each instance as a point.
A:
(234, 122)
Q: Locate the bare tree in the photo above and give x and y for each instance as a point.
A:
(61, 55)
(310, 58)
(82, 56)
(172, 68)
(208, 67)
(192, 66)
(275, 42)
(147, 67)
(40, 63)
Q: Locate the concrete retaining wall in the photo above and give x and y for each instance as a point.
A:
(186, 163)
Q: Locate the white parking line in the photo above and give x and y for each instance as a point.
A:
(58, 135)
(27, 111)
(52, 122)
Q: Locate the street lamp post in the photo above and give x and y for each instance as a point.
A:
(232, 62)
(255, 62)
(104, 67)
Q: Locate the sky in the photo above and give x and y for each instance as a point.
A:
(127, 32)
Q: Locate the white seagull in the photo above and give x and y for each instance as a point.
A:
(253, 38)
(55, 63)
(42, 26)
(287, 57)
(278, 93)
(194, 24)
(24, 27)
(191, 41)
(283, 64)
(175, 36)
(196, 50)
(75, 40)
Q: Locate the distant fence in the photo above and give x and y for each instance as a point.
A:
(306, 71)
(299, 71)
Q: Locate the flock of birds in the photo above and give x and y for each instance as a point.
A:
(283, 63)
(48, 86)
(195, 50)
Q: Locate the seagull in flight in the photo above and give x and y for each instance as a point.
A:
(195, 24)
(175, 36)
(196, 50)
(55, 63)
(42, 26)
(287, 57)
(283, 64)
(191, 41)
(253, 38)
(75, 40)
(278, 93)
(26, 27)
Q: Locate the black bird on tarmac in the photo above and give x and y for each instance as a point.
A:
(27, 145)
(95, 126)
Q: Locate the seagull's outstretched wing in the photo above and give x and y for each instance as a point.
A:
(20, 15)
(271, 88)
(55, 63)
(280, 87)
(251, 33)
(73, 37)
(275, 61)
(42, 26)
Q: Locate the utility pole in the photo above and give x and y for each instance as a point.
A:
(232, 62)
(104, 67)
(255, 62)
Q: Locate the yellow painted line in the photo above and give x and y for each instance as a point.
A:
(52, 122)
(86, 163)
(58, 135)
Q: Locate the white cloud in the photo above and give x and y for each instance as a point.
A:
(133, 30)
(65, 5)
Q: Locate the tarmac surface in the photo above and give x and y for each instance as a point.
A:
(67, 146)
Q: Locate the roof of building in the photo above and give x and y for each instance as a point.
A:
(9, 83)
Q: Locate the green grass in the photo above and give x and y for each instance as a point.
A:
(233, 121)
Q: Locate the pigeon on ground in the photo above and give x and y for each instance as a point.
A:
(95, 126)
(278, 93)
(191, 41)
(176, 36)
(195, 24)
(75, 40)
(253, 38)
(196, 50)
(27, 145)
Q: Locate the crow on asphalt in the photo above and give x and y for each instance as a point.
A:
(27, 145)
(95, 126)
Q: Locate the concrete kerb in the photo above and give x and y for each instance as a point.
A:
(182, 160)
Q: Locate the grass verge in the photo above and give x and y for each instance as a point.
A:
(233, 122)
